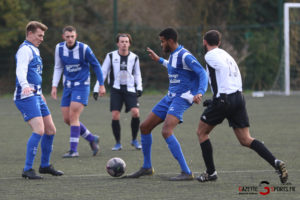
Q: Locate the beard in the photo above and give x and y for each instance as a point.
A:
(167, 49)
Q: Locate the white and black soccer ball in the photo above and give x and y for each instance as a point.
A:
(116, 167)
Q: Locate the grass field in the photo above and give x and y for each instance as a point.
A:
(275, 120)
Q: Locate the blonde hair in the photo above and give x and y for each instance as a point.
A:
(34, 25)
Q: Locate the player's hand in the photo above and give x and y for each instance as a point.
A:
(54, 93)
(139, 93)
(197, 98)
(28, 91)
(95, 95)
(102, 91)
(152, 54)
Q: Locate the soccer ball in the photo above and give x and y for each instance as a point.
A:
(115, 167)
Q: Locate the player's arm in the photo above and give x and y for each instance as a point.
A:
(105, 70)
(58, 70)
(138, 77)
(156, 58)
(194, 65)
(91, 58)
(23, 59)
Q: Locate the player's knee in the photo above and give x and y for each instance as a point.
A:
(135, 112)
(202, 136)
(245, 142)
(166, 132)
(67, 120)
(39, 130)
(115, 115)
(51, 130)
(144, 128)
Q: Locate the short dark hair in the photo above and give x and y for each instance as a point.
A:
(169, 33)
(69, 29)
(34, 25)
(123, 35)
(213, 37)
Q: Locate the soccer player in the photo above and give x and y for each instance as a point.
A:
(73, 59)
(123, 67)
(228, 102)
(30, 101)
(187, 84)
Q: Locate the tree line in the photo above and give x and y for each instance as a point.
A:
(252, 33)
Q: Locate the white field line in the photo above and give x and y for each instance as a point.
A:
(105, 175)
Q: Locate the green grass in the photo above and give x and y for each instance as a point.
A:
(273, 119)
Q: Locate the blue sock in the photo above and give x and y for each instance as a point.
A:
(32, 146)
(74, 139)
(146, 140)
(46, 146)
(175, 149)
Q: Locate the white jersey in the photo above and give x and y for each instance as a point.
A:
(224, 74)
(122, 70)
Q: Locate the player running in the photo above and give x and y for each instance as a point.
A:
(187, 84)
(228, 102)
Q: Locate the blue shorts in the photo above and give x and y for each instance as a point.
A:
(31, 107)
(175, 106)
(76, 94)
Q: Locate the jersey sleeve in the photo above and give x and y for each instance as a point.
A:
(105, 70)
(24, 56)
(211, 61)
(137, 75)
(58, 68)
(92, 60)
(163, 62)
(194, 65)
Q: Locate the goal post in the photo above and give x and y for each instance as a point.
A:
(287, 7)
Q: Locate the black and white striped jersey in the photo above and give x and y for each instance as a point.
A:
(122, 70)
(224, 74)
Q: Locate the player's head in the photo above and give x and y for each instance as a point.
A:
(35, 32)
(69, 35)
(123, 41)
(168, 38)
(212, 38)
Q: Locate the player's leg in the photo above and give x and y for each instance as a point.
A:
(116, 103)
(173, 117)
(131, 103)
(245, 139)
(47, 145)
(240, 123)
(75, 110)
(30, 110)
(90, 137)
(214, 114)
(146, 127)
(207, 152)
(37, 126)
(175, 148)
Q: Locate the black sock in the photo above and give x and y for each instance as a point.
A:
(116, 128)
(262, 150)
(207, 154)
(135, 123)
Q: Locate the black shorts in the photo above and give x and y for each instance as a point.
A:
(120, 96)
(232, 107)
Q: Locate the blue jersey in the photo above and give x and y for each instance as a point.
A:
(75, 64)
(29, 70)
(186, 75)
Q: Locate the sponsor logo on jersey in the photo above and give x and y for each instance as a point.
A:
(73, 68)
